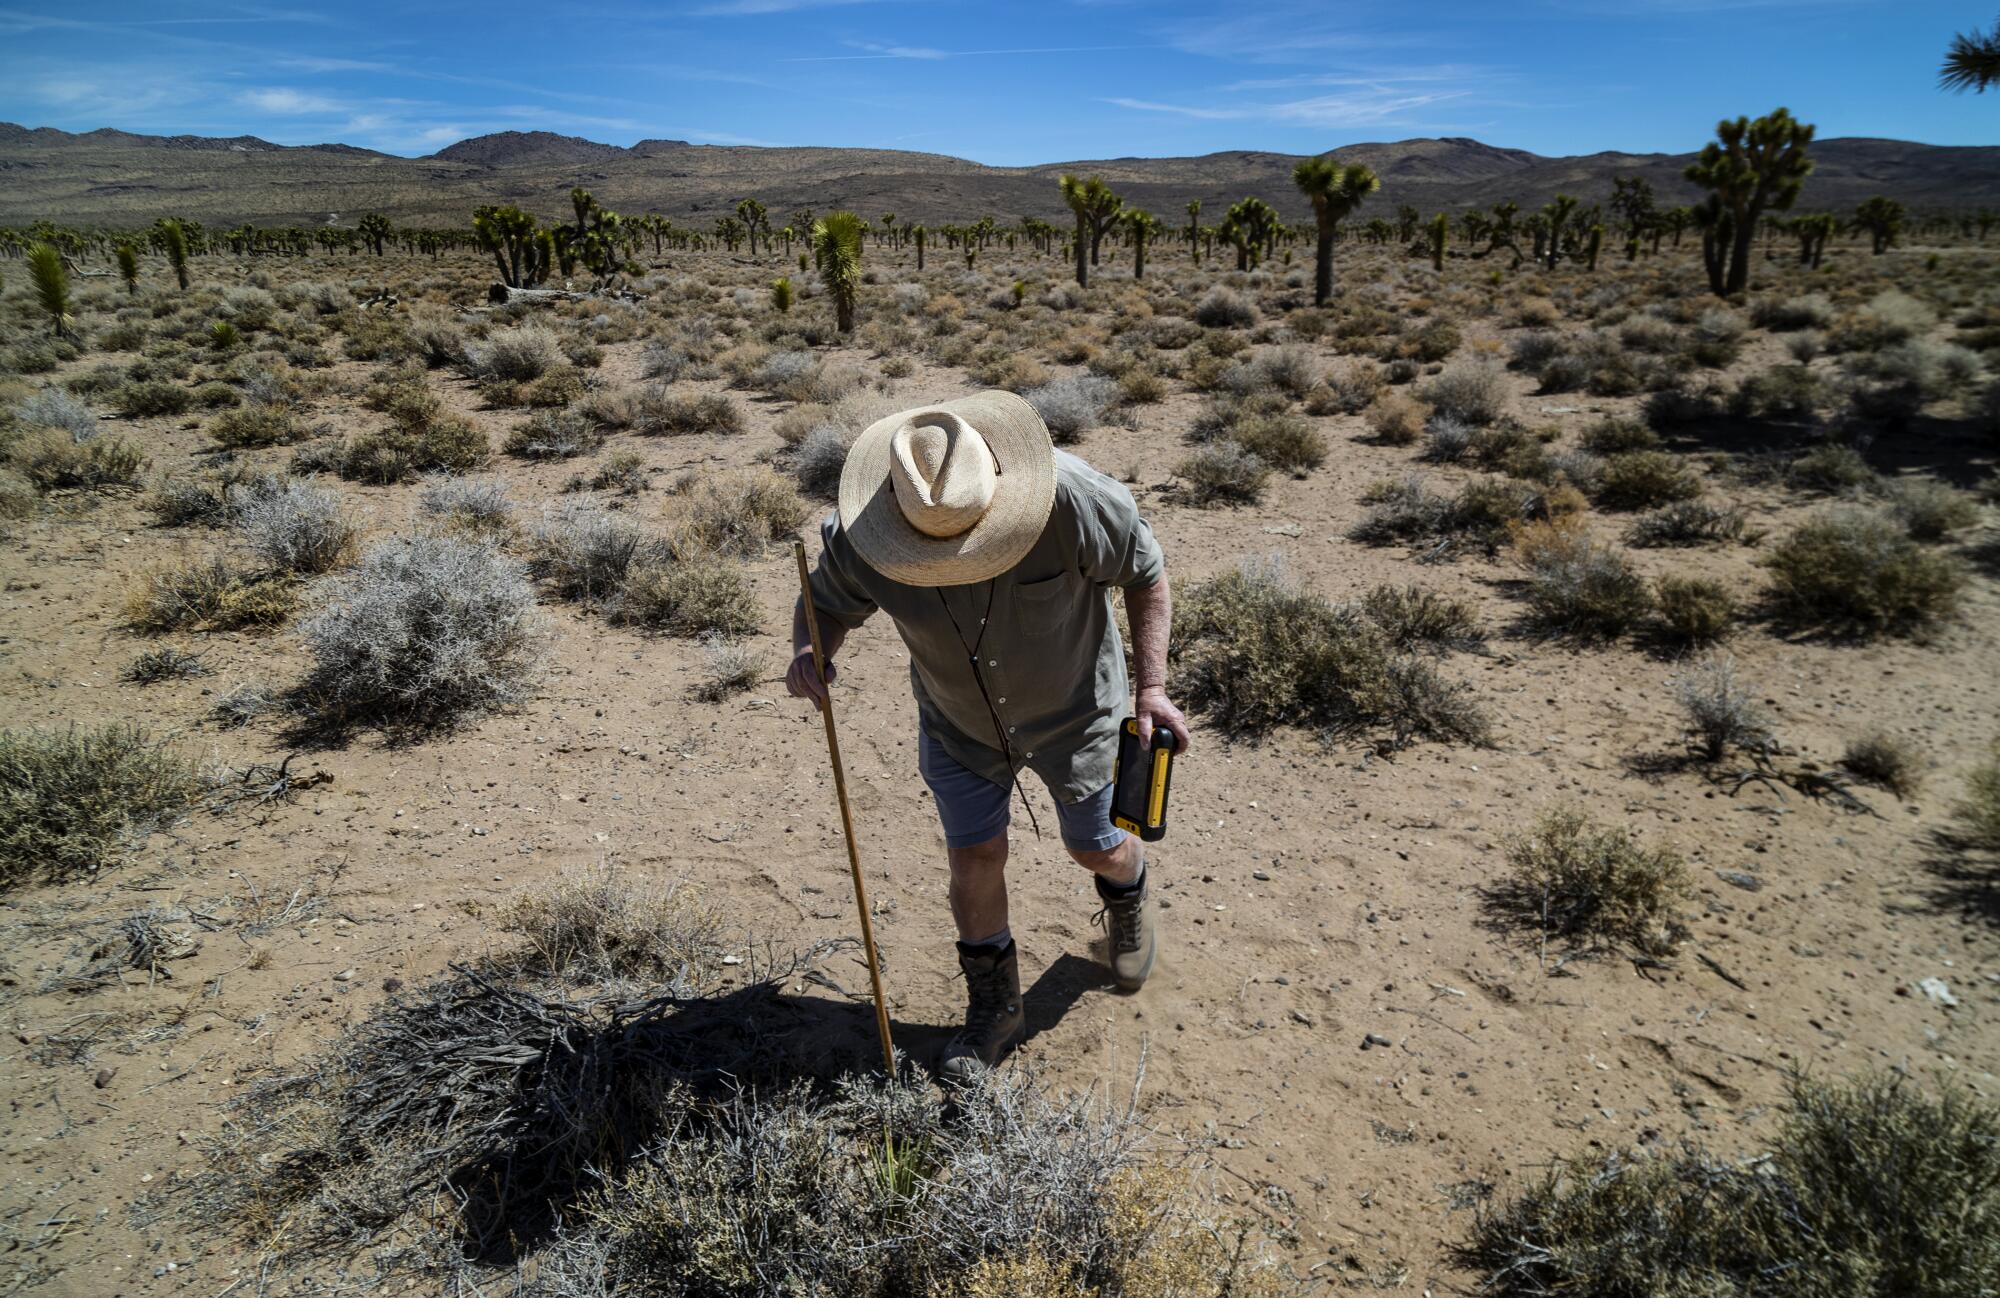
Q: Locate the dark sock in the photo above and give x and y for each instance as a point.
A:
(989, 947)
(1108, 889)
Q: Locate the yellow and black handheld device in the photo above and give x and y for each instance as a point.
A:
(1140, 782)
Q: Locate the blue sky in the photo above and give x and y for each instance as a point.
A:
(1002, 82)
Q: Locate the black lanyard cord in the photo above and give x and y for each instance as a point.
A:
(979, 679)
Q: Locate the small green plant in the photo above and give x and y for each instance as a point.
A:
(1719, 712)
(1978, 812)
(836, 245)
(128, 267)
(174, 240)
(1645, 480)
(1223, 473)
(222, 335)
(73, 801)
(1593, 885)
(51, 281)
(781, 294)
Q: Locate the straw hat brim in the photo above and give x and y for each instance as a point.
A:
(1024, 493)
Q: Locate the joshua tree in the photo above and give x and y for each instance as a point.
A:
(1973, 61)
(751, 212)
(918, 233)
(1440, 233)
(374, 229)
(45, 268)
(887, 225)
(128, 267)
(523, 253)
(1407, 218)
(1557, 214)
(1194, 230)
(1748, 168)
(836, 241)
(1593, 243)
(1882, 217)
(174, 238)
(1632, 200)
(1250, 225)
(1096, 207)
(1335, 192)
(781, 294)
(1141, 226)
(1812, 233)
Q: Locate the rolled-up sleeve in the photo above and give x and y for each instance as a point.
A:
(1115, 546)
(838, 594)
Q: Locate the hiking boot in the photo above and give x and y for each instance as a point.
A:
(994, 1021)
(1131, 924)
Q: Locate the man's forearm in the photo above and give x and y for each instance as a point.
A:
(831, 634)
(1151, 611)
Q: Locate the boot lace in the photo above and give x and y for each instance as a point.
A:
(1119, 917)
(990, 991)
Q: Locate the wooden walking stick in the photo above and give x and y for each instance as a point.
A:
(846, 816)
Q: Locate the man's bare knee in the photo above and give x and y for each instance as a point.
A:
(1118, 863)
(980, 858)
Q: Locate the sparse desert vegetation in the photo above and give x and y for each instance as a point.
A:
(1588, 625)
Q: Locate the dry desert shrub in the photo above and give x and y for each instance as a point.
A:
(1283, 440)
(596, 926)
(1472, 390)
(295, 528)
(164, 664)
(517, 355)
(1718, 712)
(1397, 418)
(1255, 651)
(727, 667)
(659, 411)
(1073, 406)
(697, 593)
(1695, 611)
(558, 434)
(1858, 573)
(422, 632)
(1869, 1187)
(1594, 886)
(1928, 509)
(586, 552)
(1833, 469)
(739, 513)
(1685, 523)
(1645, 480)
(1413, 617)
(212, 594)
(818, 460)
(257, 424)
(74, 800)
(1613, 436)
(1223, 473)
(1978, 812)
(1578, 586)
(54, 461)
(1224, 308)
(478, 507)
(1885, 761)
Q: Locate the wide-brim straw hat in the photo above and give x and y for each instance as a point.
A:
(930, 466)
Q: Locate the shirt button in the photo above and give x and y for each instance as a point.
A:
(1031, 754)
(1003, 698)
(992, 662)
(1011, 730)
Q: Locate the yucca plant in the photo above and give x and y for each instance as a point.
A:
(1335, 191)
(176, 243)
(1096, 207)
(836, 241)
(781, 294)
(1440, 234)
(128, 267)
(1749, 168)
(222, 335)
(1973, 61)
(45, 268)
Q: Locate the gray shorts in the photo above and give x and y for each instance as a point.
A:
(975, 810)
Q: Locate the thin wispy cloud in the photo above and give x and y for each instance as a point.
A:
(1322, 112)
(289, 102)
(920, 52)
(741, 8)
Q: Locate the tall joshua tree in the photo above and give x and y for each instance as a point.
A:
(1973, 61)
(836, 241)
(1335, 191)
(1194, 230)
(523, 253)
(1750, 167)
(1096, 207)
(51, 278)
(374, 228)
(128, 267)
(174, 239)
(1558, 214)
(1141, 226)
(752, 213)
(1882, 217)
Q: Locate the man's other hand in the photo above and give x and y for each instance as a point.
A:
(802, 679)
(1154, 711)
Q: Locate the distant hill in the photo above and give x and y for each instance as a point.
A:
(111, 177)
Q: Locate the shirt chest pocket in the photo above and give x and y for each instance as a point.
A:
(1047, 610)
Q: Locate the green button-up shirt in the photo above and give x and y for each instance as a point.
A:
(1048, 649)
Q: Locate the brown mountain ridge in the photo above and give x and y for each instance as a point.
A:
(113, 177)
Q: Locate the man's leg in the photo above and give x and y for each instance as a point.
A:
(1118, 859)
(974, 813)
